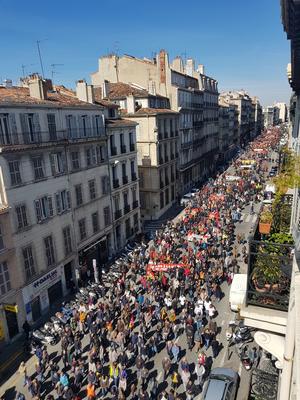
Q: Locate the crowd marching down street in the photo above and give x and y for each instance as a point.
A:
(168, 290)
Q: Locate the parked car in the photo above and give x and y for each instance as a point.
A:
(186, 199)
(222, 384)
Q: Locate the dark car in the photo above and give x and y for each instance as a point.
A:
(222, 384)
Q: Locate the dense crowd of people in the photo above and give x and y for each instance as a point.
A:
(169, 289)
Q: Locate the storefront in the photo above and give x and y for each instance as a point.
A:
(42, 293)
(98, 251)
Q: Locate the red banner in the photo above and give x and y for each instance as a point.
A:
(164, 267)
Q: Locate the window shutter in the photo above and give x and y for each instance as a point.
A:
(24, 127)
(37, 127)
(50, 206)
(74, 126)
(58, 203)
(13, 128)
(52, 162)
(80, 126)
(88, 125)
(94, 126)
(38, 210)
(68, 199)
(64, 162)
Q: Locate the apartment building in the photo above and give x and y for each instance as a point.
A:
(271, 116)
(197, 151)
(157, 144)
(246, 114)
(55, 182)
(282, 111)
(258, 116)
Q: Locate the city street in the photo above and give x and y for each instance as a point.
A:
(226, 357)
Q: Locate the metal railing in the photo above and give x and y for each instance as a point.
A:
(118, 214)
(125, 179)
(116, 183)
(135, 204)
(133, 176)
(126, 209)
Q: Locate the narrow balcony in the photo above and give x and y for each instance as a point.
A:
(132, 147)
(116, 183)
(161, 184)
(125, 179)
(133, 176)
(123, 149)
(118, 214)
(113, 150)
(135, 204)
(126, 209)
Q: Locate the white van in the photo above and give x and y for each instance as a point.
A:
(238, 289)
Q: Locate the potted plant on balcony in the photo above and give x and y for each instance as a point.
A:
(265, 222)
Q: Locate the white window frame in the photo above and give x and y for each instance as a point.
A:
(38, 170)
(14, 171)
(62, 201)
(49, 251)
(5, 285)
(21, 214)
(43, 208)
(67, 238)
(28, 259)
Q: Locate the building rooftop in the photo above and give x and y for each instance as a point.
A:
(151, 111)
(120, 122)
(120, 90)
(20, 96)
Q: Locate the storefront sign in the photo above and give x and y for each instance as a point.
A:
(11, 308)
(38, 286)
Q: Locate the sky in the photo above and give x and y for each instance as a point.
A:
(241, 43)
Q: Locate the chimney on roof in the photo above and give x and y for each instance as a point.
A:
(84, 92)
(190, 67)
(37, 87)
(105, 89)
(130, 100)
(7, 83)
(201, 69)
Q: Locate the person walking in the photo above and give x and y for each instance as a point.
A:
(166, 364)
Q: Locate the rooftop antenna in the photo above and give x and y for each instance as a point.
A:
(23, 68)
(53, 69)
(40, 55)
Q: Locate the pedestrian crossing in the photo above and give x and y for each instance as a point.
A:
(248, 218)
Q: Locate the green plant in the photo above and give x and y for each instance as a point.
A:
(267, 268)
(266, 217)
(281, 238)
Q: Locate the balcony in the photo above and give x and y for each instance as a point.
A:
(166, 158)
(132, 147)
(161, 184)
(133, 176)
(115, 183)
(123, 149)
(161, 161)
(118, 214)
(186, 145)
(126, 209)
(135, 204)
(113, 150)
(167, 181)
(172, 156)
(125, 179)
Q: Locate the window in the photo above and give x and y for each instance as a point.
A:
(75, 160)
(161, 200)
(82, 228)
(58, 163)
(21, 216)
(14, 170)
(43, 208)
(99, 125)
(95, 222)
(133, 193)
(78, 194)
(38, 167)
(125, 198)
(136, 222)
(1, 240)
(63, 201)
(51, 126)
(105, 184)
(127, 228)
(67, 240)
(107, 216)
(71, 126)
(28, 262)
(49, 251)
(8, 129)
(167, 196)
(92, 188)
(5, 285)
(95, 155)
(31, 129)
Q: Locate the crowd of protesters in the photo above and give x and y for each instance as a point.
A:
(151, 306)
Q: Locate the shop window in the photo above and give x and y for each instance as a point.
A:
(28, 262)
(5, 285)
(49, 251)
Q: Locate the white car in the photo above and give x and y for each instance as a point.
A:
(186, 199)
